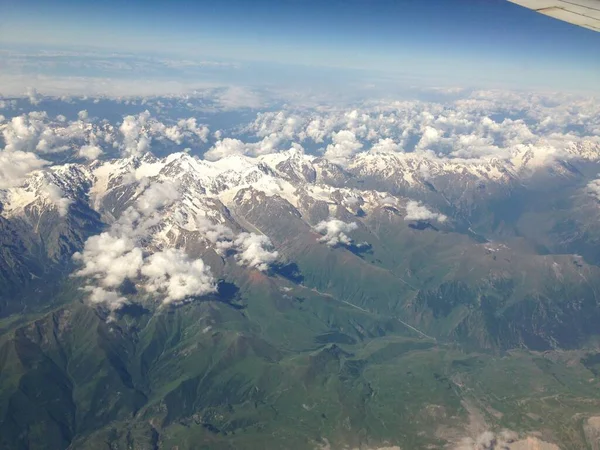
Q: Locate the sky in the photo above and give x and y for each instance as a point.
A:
(476, 43)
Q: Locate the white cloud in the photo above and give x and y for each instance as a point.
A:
(172, 274)
(386, 145)
(113, 256)
(36, 132)
(82, 115)
(593, 188)
(111, 299)
(23, 132)
(56, 197)
(135, 137)
(237, 97)
(34, 97)
(139, 220)
(424, 172)
(109, 259)
(228, 147)
(429, 137)
(344, 146)
(157, 196)
(218, 234)
(97, 86)
(138, 132)
(285, 125)
(334, 231)
(456, 129)
(187, 128)
(16, 165)
(416, 211)
(254, 251)
(388, 133)
(90, 152)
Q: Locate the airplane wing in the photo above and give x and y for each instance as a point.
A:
(585, 13)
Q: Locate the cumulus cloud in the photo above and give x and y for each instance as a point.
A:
(228, 147)
(255, 251)
(424, 172)
(57, 197)
(116, 255)
(286, 125)
(139, 131)
(109, 259)
(36, 132)
(593, 188)
(138, 220)
(479, 126)
(386, 145)
(252, 250)
(173, 274)
(334, 231)
(187, 128)
(416, 211)
(486, 126)
(33, 95)
(90, 152)
(344, 146)
(218, 234)
(23, 133)
(111, 299)
(16, 165)
(429, 137)
(136, 140)
(157, 196)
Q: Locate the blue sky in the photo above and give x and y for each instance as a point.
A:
(453, 42)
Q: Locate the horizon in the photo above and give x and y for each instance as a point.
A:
(344, 44)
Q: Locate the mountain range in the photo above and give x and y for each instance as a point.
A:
(389, 300)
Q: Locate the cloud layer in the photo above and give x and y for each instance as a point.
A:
(30, 139)
(395, 140)
(480, 125)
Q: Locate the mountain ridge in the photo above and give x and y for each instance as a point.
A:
(211, 302)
